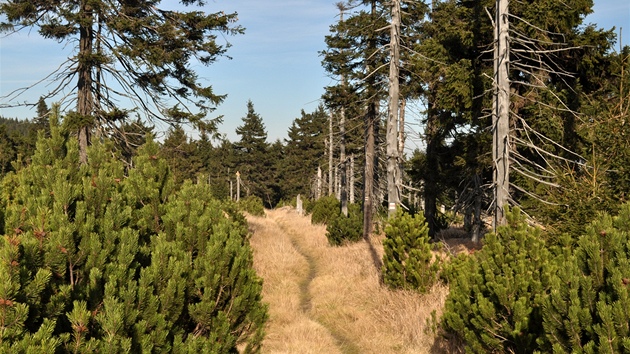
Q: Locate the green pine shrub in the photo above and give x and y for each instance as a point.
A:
(95, 258)
(408, 260)
(497, 294)
(588, 309)
(342, 229)
(325, 209)
(252, 205)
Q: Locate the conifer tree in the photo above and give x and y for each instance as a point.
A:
(251, 159)
(304, 151)
(148, 50)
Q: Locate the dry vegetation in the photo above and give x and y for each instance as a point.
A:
(325, 299)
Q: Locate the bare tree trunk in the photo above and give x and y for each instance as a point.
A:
(238, 186)
(393, 197)
(318, 192)
(501, 118)
(330, 155)
(351, 179)
(343, 188)
(401, 146)
(85, 104)
(368, 175)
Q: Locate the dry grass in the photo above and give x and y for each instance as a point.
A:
(325, 299)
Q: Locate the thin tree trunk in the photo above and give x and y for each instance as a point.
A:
(371, 123)
(393, 197)
(501, 118)
(351, 179)
(85, 104)
(318, 192)
(330, 155)
(343, 188)
(433, 140)
(401, 145)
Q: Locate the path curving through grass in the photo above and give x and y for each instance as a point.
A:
(325, 299)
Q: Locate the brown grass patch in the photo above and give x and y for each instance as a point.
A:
(348, 311)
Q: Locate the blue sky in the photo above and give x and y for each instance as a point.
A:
(275, 63)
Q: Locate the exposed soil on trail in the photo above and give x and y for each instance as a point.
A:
(325, 299)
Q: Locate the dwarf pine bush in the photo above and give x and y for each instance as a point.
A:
(408, 260)
(342, 229)
(94, 258)
(497, 294)
(588, 309)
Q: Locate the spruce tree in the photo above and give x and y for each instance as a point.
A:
(251, 159)
(148, 50)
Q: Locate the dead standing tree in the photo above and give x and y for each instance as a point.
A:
(392, 149)
(501, 114)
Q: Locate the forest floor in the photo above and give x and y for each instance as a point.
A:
(325, 299)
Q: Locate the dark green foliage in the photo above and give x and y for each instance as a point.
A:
(325, 209)
(94, 260)
(408, 260)
(588, 310)
(150, 50)
(496, 294)
(303, 152)
(252, 205)
(254, 158)
(341, 229)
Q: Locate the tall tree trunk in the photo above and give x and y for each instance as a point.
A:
(318, 192)
(433, 140)
(85, 104)
(330, 155)
(343, 188)
(351, 179)
(371, 128)
(370, 163)
(393, 197)
(343, 192)
(401, 146)
(501, 117)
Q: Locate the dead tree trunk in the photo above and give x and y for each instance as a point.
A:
(330, 155)
(318, 192)
(351, 179)
(500, 115)
(392, 119)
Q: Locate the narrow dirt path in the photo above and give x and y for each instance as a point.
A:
(325, 299)
(298, 241)
(287, 275)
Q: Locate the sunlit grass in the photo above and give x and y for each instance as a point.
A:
(325, 299)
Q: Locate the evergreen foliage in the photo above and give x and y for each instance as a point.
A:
(149, 50)
(408, 260)
(497, 294)
(588, 308)
(303, 152)
(252, 159)
(341, 229)
(252, 205)
(324, 209)
(96, 260)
